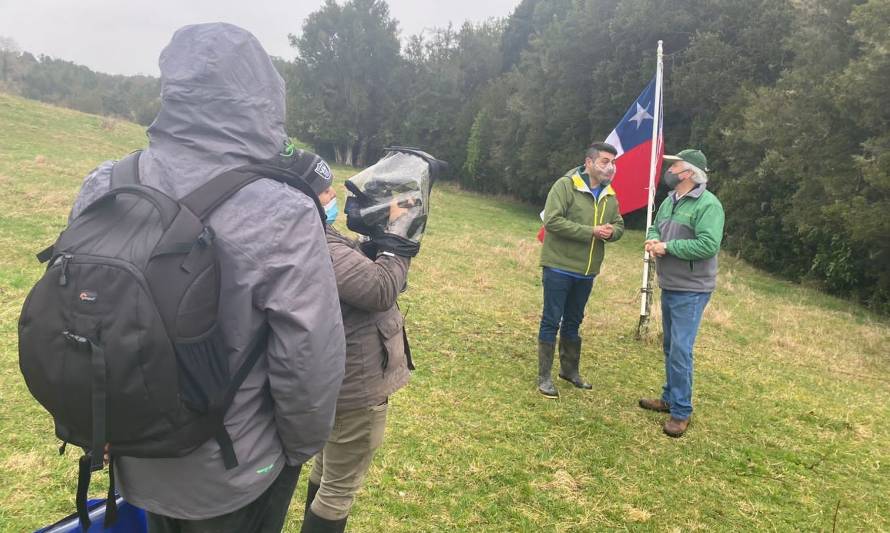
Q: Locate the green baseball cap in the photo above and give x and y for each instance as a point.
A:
(693, 157)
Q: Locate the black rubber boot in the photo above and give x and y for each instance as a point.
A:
(311, 491)
(545, 364)
(316, 524)
(569, 359)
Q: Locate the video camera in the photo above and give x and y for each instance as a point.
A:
(404, 176)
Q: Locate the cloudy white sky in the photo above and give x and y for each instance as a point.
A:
(126, 36)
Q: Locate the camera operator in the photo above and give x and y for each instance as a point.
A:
(378, 360)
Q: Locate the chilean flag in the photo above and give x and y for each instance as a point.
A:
(633, 139)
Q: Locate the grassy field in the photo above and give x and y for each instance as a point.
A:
(792, 387)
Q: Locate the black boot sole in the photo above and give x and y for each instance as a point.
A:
(583, 386)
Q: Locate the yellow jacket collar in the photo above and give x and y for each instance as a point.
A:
(579, 184)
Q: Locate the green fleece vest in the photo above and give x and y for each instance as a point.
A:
(570, 214)
(692, 229)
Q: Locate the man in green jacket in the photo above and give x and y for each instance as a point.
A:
(580, 216)
(685, 239)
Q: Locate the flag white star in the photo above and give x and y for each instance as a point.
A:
(640, 116)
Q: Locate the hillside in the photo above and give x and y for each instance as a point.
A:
(792, 387)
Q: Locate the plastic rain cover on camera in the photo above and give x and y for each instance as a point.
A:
(403, 177)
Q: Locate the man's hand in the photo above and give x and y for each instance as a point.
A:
(656, 248)
(603, 232)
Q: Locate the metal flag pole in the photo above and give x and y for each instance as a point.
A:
(648, 273)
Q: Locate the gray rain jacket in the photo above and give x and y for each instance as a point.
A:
(222, 107)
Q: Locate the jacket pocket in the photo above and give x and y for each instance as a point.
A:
(390, 330)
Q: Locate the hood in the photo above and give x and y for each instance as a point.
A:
(222, 106)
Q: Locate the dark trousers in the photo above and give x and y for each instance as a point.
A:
(564, 301)
(266, 514)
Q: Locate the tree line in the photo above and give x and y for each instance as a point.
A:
(63, 83)
(787, 98)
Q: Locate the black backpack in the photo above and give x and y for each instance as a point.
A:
(118, 339)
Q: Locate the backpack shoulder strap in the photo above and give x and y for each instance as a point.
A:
(257, 348)
(203, 200)
(126, 171)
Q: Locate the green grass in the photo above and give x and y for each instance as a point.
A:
(792, 386)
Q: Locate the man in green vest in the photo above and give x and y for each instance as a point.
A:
(580, 216)
(685, 239)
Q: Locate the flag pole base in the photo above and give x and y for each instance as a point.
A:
(642, 327)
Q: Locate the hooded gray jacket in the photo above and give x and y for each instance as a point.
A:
(222, 107)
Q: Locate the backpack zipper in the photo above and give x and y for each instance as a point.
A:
(81, 259)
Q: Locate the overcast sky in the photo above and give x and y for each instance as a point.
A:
(126, 36)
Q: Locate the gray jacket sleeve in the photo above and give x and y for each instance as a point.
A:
(95, 184)
(307, 347)
(365, 284)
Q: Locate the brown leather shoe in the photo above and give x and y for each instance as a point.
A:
(675, 428)
(655, 404)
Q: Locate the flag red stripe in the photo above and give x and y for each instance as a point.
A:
(631, 182)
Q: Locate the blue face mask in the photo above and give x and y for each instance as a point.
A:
(331, 210)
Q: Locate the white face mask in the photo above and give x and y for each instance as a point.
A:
(606, 172)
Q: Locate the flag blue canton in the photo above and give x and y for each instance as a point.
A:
(635, 127)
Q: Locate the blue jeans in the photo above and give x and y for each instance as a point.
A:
(564, 301)
(681, 313)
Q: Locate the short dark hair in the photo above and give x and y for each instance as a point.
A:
(595, 148)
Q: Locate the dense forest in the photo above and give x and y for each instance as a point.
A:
(787, 97)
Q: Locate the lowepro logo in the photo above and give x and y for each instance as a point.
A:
(87, 296)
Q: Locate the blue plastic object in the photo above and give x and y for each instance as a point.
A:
(130, 519)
